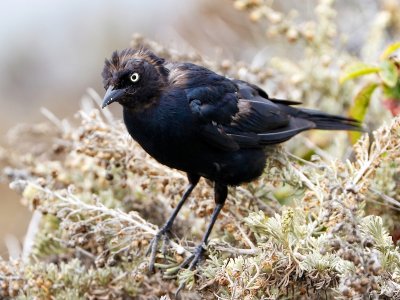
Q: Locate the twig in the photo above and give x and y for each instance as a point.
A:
(307, 182)
(387, 198)
(117, 214)
(29, 241)
(244, 235)
(97, 99)
(325, 155)
(52, 118)
(237, 251)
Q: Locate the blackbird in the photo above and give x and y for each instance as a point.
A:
(189, 118)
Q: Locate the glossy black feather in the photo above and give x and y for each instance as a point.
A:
(195, 120)
(192, 119)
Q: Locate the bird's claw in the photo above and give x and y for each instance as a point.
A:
(192, 261)
(194, 258)
(152, 249)
(165, 242)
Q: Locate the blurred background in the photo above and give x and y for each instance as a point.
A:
(52, 51)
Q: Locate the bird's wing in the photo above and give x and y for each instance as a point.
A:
(233, 113)
(262, 120)
(212, 99)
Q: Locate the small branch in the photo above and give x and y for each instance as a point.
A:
(237, 251)
(306, 162)
(52, 118)
(386, 198)
(97, 99)
(132, 218)
(307, 182)
(29, 241)
(13, 246)
(242, 232)
(325, 155)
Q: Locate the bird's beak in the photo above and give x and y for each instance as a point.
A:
(112, 96)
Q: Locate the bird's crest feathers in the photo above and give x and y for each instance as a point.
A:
(120, 59)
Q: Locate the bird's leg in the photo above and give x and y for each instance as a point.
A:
(164, 230)
(220, 194)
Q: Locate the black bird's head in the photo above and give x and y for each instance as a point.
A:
(134, 78)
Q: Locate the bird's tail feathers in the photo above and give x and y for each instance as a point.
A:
(330, 122)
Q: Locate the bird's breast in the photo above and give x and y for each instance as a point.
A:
(163, 134)
(171, 138)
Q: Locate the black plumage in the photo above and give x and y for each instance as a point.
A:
(207, 125)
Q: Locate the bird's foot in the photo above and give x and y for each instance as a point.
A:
(163, 234)
(192, 261)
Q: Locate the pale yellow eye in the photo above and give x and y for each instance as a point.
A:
(135, 77)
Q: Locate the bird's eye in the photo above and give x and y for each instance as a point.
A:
(134, 77)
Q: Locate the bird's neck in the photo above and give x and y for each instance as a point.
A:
(141, 124)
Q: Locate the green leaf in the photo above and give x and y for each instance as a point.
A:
(357, 70)
(361, 101)
(392, 92)
(388, 73)
(360, 106)
(389, 50)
